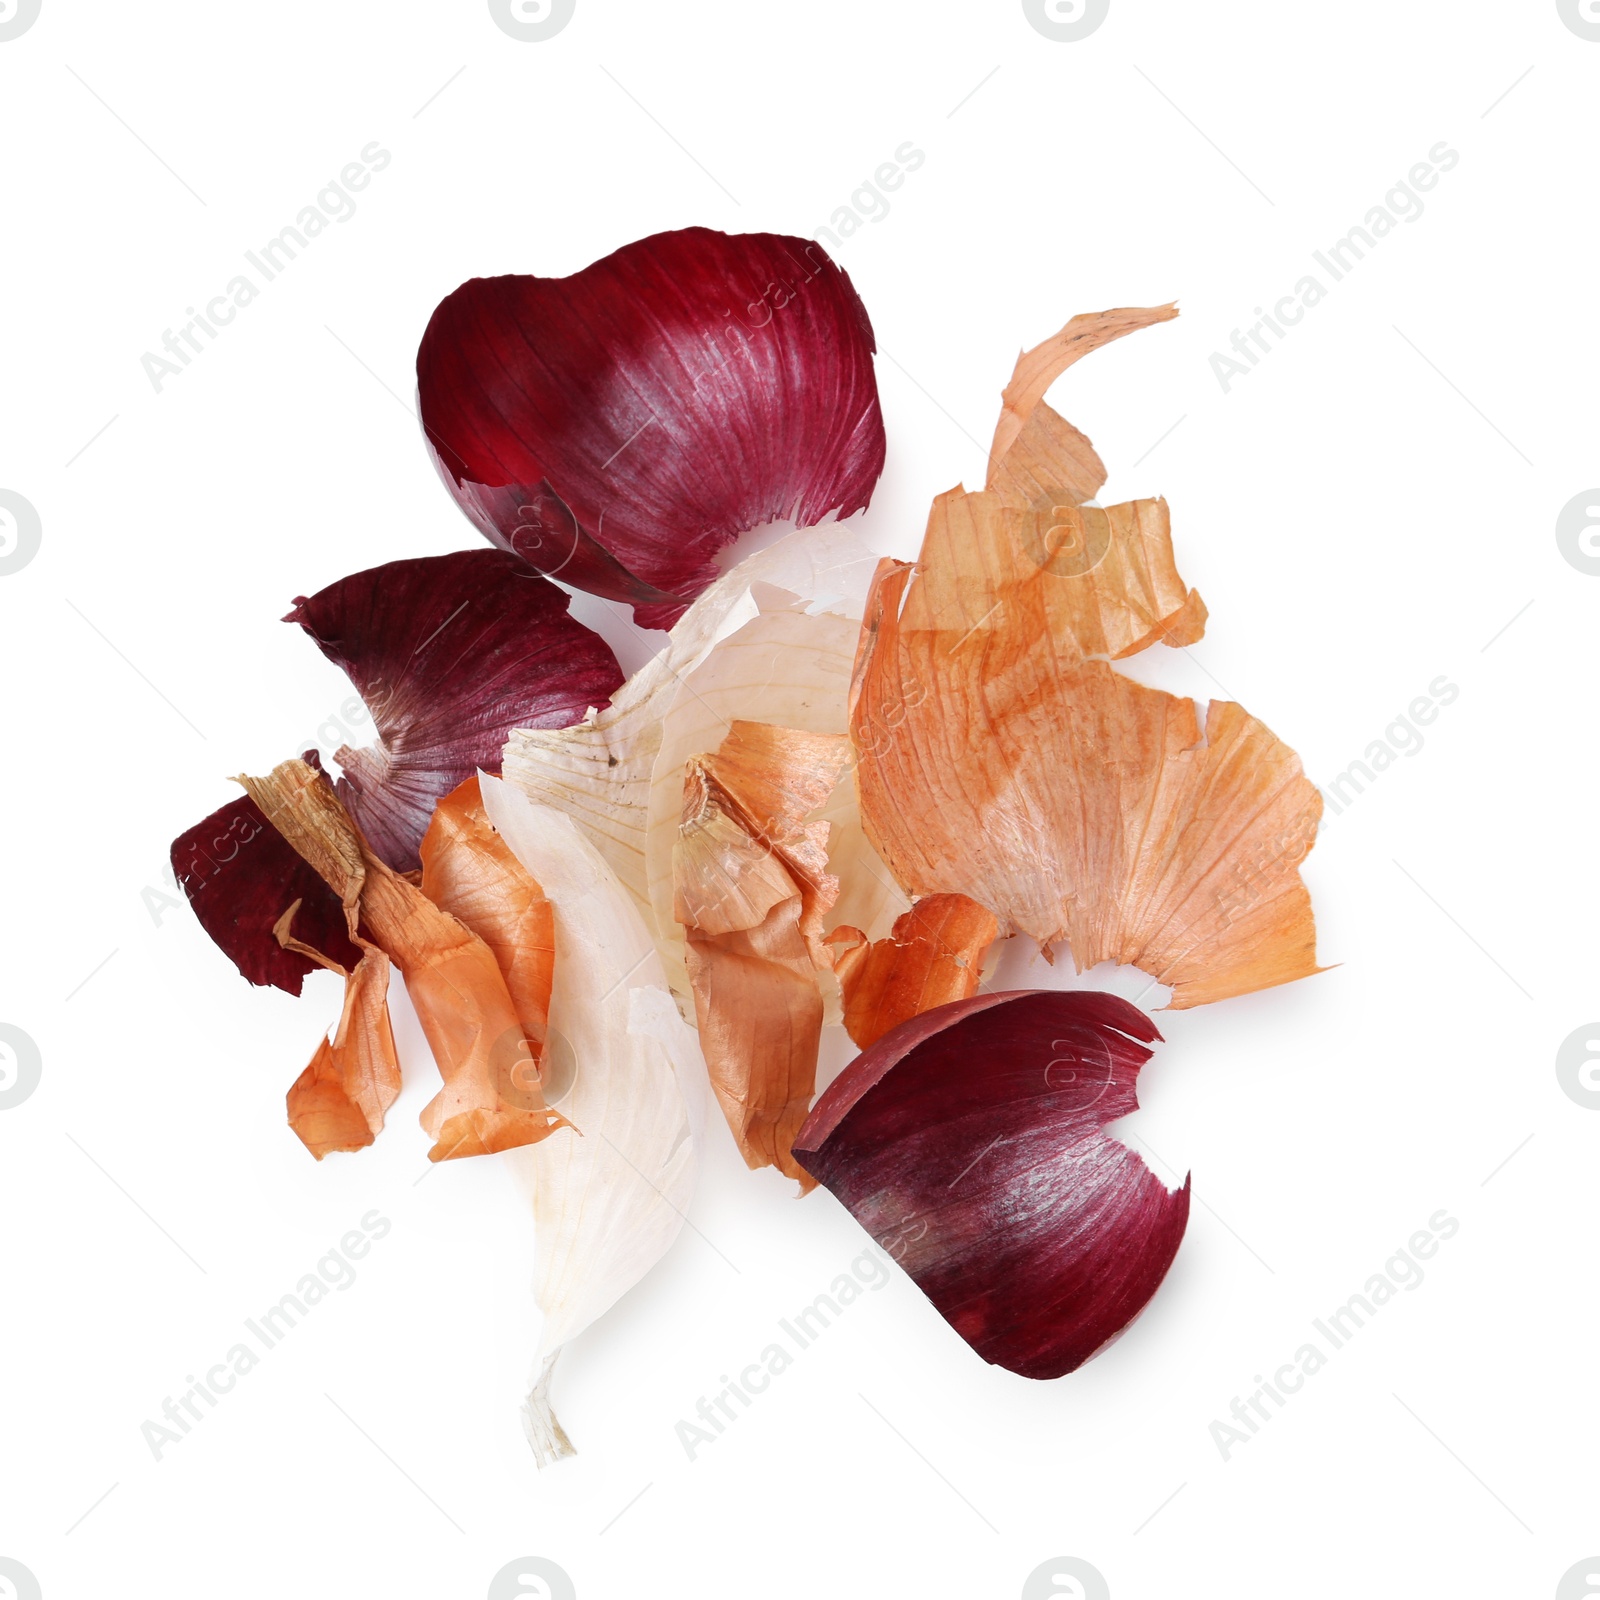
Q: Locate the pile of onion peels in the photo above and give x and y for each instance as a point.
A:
(836, 789)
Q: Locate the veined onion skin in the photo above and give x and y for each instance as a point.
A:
(617, 427)
(970, 1143)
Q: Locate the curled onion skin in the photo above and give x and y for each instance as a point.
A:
(450, 654)
(617, 427)
(970, 1143)
(1003, 757)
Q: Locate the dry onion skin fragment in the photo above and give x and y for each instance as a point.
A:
(609, 1199)
(1002, 757)
(602, 771)
(450, 654)
(452, 977)
(790, 665)
(469, 871)
(617, 427)
(241, 875)
(750, 889)
(933, 955)
(1031, 442)
(340, 1100)
(970, 1143)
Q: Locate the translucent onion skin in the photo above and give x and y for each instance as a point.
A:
(617, 427)
(970, 1143)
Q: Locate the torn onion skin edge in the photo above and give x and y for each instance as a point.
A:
(970, 1143)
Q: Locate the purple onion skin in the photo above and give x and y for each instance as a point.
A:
(970, 1143)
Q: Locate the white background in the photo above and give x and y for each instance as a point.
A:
(1368, 510)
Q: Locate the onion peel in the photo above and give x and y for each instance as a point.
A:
(240, 875)
(469, 871)
(617, 427)
(1001, 756)
(606, 1206)
(933, 955)
(452, 978)
(750, 889)
(970, 1143)
(340, 1100)
(450, 654)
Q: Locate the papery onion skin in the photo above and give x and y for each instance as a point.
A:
(607, 1204)
(1002, 757)
(241, 875)
(487, 1103)
(339, 1102)
(969, 1141)
(934, 954)
(750, 890)
(603, 771)
(617, 427)
(470, 871)
(450, 653)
